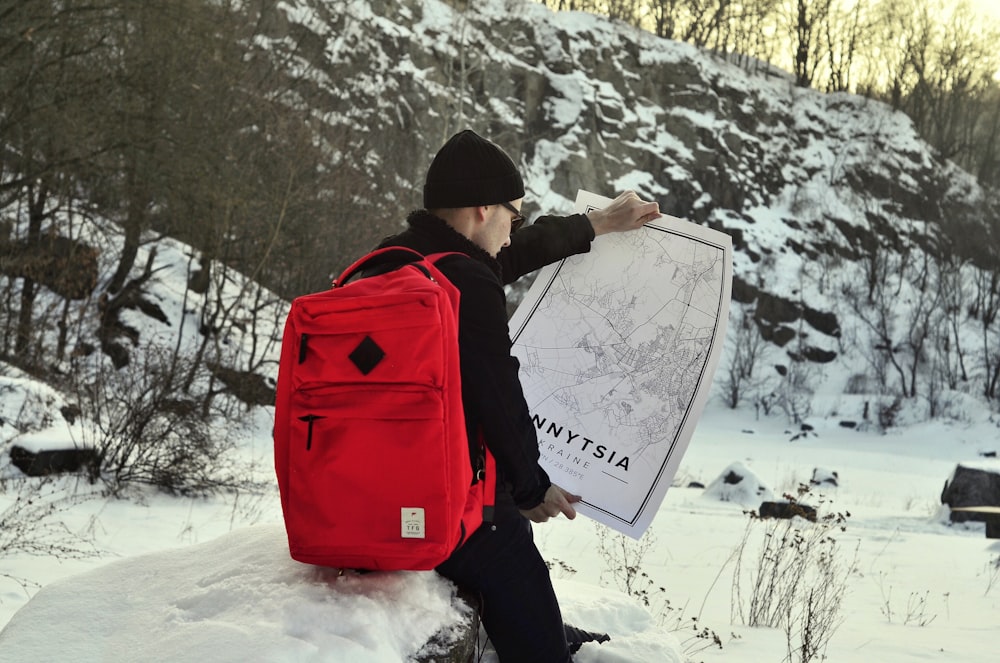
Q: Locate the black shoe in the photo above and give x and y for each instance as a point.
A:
(575, 637)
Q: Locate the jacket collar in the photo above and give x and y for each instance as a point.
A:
(430, 231)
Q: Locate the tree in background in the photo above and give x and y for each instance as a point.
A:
(844, 34)
(804, 20)
(168, 118)
(934, 60)
(48, 87)
(747, 351)
(746, 33)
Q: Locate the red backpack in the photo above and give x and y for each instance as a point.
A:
(370, 445)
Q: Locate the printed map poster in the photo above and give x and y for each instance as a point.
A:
(617, 349)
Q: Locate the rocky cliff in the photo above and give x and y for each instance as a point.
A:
(814, 188)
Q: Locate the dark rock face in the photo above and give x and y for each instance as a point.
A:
(777, 317)
(458, 646)
(579, 102)
(251, 388)
(55, 461)
(65, 266)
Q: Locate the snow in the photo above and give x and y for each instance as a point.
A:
(210, 579)
(991, 465)
(236, 598)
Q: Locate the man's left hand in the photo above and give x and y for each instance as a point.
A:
(556, 501)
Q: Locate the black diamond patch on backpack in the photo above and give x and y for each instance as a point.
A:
(367, 355)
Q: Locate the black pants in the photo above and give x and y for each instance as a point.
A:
(520, 612)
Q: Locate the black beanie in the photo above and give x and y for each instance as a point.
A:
(469, 171)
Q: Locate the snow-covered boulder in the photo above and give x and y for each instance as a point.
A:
(975, 483)
(824, 477)
(738, 483)
(238, 598)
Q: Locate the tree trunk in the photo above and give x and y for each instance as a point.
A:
(36, 214)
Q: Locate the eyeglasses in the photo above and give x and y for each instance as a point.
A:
(517, 221)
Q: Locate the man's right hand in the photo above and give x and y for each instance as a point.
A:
(624, 213)
(556, 501)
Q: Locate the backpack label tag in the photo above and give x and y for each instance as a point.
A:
(413, 523)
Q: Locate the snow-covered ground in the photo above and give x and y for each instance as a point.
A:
(177, 576)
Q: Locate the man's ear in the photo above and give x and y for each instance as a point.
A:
(481, 213)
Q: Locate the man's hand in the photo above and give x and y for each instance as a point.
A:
(556, 501)
(626, 212)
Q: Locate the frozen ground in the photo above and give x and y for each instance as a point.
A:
(177, 576)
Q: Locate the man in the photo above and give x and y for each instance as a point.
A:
(472, 200)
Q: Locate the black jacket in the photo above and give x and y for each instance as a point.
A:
(491, 390)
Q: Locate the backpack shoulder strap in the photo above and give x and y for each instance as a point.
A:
(437, 257)
(387, 259)
(379, 261)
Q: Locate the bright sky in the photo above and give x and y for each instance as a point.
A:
(988, 7)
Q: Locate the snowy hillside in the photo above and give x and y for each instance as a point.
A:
(843, 219)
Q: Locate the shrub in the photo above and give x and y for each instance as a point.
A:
(992, 573)
(795, 581)
(32, 523)
(147, 430)
(623, 559)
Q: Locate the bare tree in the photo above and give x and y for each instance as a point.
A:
(804, 21)
(630, 11)
(921, 311)
(965, 63)
(844, 35)
(667, 21)
(985, 153)
(47, 127)
(747, 30)
(871, 303)
(886, 74)
(985, 308)
(950, 277)
(748, 351)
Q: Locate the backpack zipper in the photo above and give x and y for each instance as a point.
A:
(310, 418)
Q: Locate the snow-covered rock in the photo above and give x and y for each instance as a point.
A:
(237, 598)
(738, 483)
